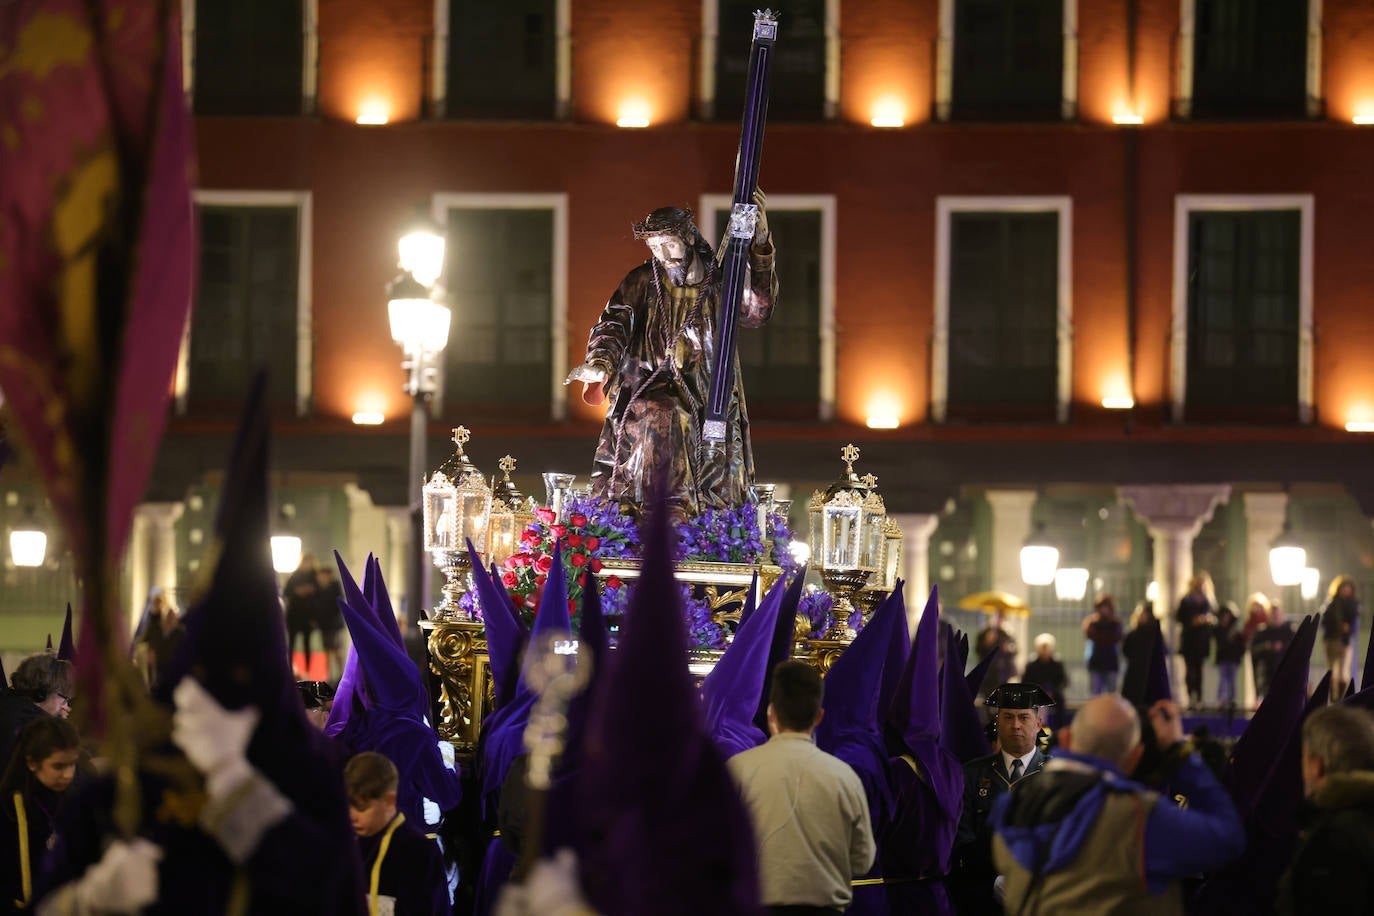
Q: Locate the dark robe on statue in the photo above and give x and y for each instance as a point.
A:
(656, 343)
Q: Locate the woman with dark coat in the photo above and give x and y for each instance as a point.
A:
(1231, 646)
(1136, 649)
(1340, 624)
(1196, 617)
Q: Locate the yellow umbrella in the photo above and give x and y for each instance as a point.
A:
(993, 602)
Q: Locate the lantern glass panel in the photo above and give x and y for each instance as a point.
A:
(503, 532)
(441, 529)
(473, 507)
(842, 543)
(892, 561)
(873, 539)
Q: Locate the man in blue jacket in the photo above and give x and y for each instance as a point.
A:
(1082, 838)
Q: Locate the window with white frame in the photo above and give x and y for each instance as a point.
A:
(1242, 309)
(504, 279)
(502, 59)
(1007, 60)
(1002, 347)
(251, 57)
(252, 306)
(787, 366)
(802, 87)
(1250, 58)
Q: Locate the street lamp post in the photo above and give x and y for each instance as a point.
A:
(420, 324)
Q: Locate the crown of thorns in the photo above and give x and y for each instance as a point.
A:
(666, 221)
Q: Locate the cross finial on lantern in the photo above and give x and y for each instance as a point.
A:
(849, 454)
(461, 435)
(869, 480)
(506, 464)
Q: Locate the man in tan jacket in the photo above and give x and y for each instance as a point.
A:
(808, 808)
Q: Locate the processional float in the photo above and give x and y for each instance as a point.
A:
(855, 549)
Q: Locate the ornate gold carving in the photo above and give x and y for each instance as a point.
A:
(822, 653)
(458, 657)
(849, 454)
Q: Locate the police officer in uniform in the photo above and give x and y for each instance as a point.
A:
(1019, 723)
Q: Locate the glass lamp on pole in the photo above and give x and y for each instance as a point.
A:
(421, 250)
(457, 508)
(420, 324)
(28, 542)
(1039, 558)
(1287, 558)
(1311, 583)
(1071, 583)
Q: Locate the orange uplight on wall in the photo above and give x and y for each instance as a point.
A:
(373, 112)
(884, 413)
(633, 113)
(369, 409)
(888, 112)
(1116, 394)
(1364, 115)
(1360, 419)
(1127, 116)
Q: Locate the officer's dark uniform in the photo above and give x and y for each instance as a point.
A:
(986, 778)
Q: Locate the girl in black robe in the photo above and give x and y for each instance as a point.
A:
(39, 773)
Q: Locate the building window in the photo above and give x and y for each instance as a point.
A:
(501, 281)
(250, 57)
(502, 59)
(1243, 312)
(1010, 60)
(798, 78)
(1002, 310)
(788, 365)
(248, 313)
(780, 363)
(1249, 59)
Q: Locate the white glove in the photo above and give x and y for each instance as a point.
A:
(552, 886)
(123, 881)
(586, 373)
(213, 738)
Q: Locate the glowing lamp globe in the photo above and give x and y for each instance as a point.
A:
(28, 547)
(1039, 559)
(1287, 559)
(1071, 583)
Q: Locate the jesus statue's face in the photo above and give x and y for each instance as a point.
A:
(672, 252)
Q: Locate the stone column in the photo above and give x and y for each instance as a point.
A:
(152, 554)
(136, 571)
(397, 552)
(368, 532)
(1011, 525)
(1174, 515)
(916, 531)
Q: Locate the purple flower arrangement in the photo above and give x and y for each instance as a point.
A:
(722, 536)
(593, 530)
(818, 607)
(782, 545)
